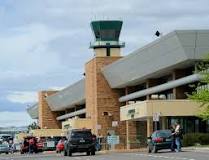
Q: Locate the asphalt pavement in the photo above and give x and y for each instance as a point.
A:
(162, 155)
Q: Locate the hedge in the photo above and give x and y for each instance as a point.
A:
(191, 139)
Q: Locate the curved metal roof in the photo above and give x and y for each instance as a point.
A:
(172, 51)
(68, 97)
(33, 111)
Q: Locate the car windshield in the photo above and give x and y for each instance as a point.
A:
(165, 133)
(81, 134)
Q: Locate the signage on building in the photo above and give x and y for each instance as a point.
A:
(113, 139)
(114, 123)
(156, 117)
(131, 113)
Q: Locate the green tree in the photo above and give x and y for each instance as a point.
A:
(32, 126)
(201, 93)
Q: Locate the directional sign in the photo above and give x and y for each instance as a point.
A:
(113, 139)
(156, 117)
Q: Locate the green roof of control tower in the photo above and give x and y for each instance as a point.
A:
(107, 33)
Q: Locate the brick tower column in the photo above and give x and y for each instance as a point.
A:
(47, 118)
(102, 103)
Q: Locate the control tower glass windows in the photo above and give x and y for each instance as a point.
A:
(108, 34)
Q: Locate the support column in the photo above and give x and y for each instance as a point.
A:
(179, 92)
(127, 125)
(149, 126)
(127, 135)
(151, 83)
(164, 123)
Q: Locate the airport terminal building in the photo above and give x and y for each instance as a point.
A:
(120, 95)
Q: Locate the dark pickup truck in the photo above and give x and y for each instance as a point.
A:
(80, 140)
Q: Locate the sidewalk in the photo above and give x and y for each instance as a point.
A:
(196, 148)
(192, 148)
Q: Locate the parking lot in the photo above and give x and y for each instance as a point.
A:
(163, 155)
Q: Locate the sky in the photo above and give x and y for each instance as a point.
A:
(44, 44)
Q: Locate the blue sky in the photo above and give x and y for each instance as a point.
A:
(44, 44)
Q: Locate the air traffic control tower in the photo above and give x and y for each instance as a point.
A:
(106, 33)
(102, 105)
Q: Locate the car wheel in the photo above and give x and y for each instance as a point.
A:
(88, 153)
(154, 149)
(7, 152)
(93, 152)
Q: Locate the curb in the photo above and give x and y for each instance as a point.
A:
(196, 149)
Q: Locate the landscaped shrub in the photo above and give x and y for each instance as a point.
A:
(191, 139)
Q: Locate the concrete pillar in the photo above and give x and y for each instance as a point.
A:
(127, 135)
(149, 126)
(127, 125)
(150, 83)
(179, 92)
(164, 123)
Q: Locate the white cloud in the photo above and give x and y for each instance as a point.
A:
(27, 50)
(56, 88)
(22, 97)
(15, 119)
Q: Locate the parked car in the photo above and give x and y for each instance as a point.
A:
(16, 147)
(38, 145)
(160, 139)
(4, 148)
(80, 140)
(50, 143)
(6, 137)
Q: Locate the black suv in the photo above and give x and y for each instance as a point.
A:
(80, 140)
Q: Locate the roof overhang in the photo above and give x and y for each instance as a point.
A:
(144, 109)
(33, 111)
(176, 50)
(68, 97)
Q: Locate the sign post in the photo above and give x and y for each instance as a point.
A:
(156, 119)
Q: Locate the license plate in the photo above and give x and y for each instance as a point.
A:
(50, 144)
(168, 140)
(82, 140)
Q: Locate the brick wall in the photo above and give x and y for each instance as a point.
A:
(47, 118)
(100, 98)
